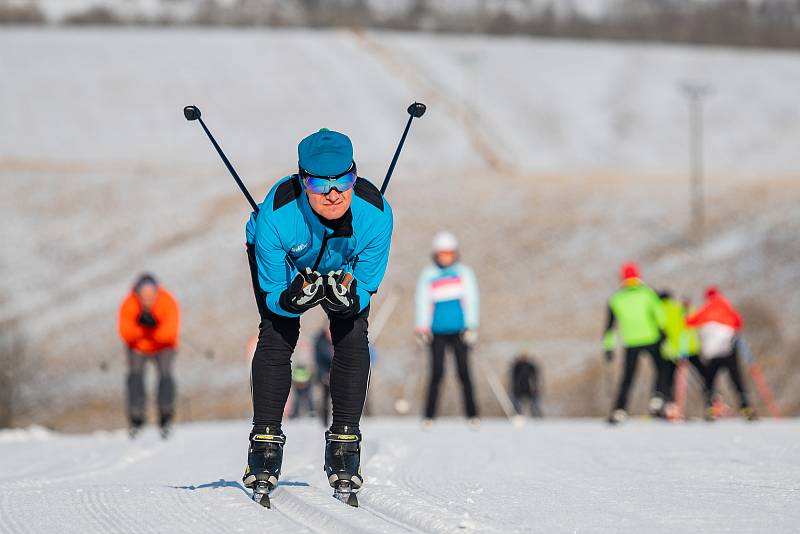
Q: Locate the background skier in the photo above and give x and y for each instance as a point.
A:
(302, 388)
(447, 316)
(719, 325)
(525, 385)
(681, 345)
(321, 237)
(323, 355)
(635, 310)
(148, 324)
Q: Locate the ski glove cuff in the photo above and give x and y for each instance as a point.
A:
(341, 298)
(306, 291)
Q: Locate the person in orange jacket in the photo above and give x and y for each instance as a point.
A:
(148, 324)
(719, 324)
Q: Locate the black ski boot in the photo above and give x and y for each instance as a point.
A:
(264, 458)
(135, 426)
(165, 424)
(343, 463)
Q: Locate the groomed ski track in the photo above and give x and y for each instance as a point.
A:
(553, 476)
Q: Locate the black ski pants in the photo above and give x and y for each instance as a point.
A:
(631, 361)
(135, 384)
(731, 364)
(439, 344)
(666, 380)
(271, 375)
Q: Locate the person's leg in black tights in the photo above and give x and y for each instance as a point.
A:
(631, 359)
(438, 344)
(271, 375)
(349, 369)
(461, 351)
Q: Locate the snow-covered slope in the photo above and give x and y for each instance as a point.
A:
(569, 476)
(553, 161)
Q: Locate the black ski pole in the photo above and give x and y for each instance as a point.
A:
(417, 109)
(192, 113)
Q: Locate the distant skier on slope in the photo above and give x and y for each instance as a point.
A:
(447, 316)
(681, 343)
(719, 325)
(321, 237)
(148, 324)
(323, 356)
(635, 310)
(525, 381)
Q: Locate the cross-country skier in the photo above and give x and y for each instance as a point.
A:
(681, 343)
(525, 385)
(447, 316)
(302, 386)
(635, 310)
(321, 237)
(323, 356)
(148, 324)
(719, 324)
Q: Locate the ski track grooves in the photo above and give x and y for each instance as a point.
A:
(81, 472)
(7, 523)
(415, 481)
(316, 509)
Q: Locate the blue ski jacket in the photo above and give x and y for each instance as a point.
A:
(447, 299)
(288, 236)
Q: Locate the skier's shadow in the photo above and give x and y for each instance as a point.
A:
(222, 483)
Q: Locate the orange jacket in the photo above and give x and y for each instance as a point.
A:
(717, 309)
(150, 340)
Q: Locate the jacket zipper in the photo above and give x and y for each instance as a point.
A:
(321, 250)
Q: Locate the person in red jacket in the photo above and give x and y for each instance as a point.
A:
(719, 324)
(148, 324)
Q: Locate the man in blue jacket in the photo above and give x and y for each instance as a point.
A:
(447, 316)
(321, 237)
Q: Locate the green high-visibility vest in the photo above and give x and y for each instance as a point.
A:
(301, 375)
(681, 340)
(638, 316)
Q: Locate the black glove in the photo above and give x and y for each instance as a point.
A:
(307, 290)
(609, 356)
(147, 320)
(341, 298)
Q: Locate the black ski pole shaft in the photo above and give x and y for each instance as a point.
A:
(417, 109)
(193, 113)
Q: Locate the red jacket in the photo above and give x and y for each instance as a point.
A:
(717, 309)
(150, 340)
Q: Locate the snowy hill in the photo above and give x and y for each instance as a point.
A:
(569, 476)
(553, 161)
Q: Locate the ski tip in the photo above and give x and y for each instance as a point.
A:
(352, 500)
(262, 499)
(348, 498)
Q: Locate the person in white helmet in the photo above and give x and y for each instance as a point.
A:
(447, 305)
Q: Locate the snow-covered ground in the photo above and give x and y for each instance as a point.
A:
(554, 161)
(565, 476)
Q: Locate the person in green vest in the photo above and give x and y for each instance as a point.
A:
(301, 387)
(635, 316)
(681, 342)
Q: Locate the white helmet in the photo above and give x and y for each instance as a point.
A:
(445, 242)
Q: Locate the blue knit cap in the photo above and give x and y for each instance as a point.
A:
(325, 153)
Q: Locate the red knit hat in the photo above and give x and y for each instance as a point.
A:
(712, 291)
(629, 270)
